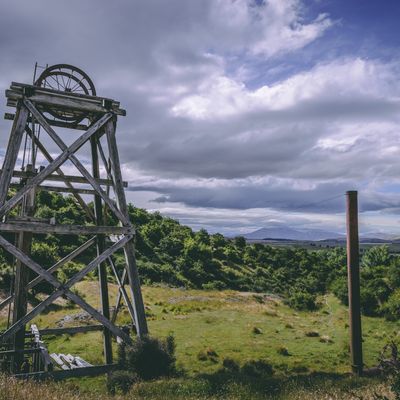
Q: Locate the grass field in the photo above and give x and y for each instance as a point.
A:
(209, 326)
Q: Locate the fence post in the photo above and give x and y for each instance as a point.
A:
(353, 274)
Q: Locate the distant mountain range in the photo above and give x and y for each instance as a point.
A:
(288, 233)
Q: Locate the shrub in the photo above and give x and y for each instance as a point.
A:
(303, 301)
(256, 368)
(230, 365)
(120, 381)
(151, 358)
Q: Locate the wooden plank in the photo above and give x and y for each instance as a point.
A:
(72, 330)
(64, 102)
(10, 158)
(62, 229)
(129, 249)
(65, 178)
(54, 165)
(55, 357)
(81, 168)
(82, 363)
(60, 124)
(72, 373)
(94, 99)
(58, 189)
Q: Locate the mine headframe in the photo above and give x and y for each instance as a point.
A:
(61, 110)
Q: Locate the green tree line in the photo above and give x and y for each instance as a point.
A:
(170, 253)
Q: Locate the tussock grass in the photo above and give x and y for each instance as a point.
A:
(213, 387)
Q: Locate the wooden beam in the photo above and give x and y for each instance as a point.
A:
(22, 276)
(62, 101)
(58, 189)
(54, 165)
(70, 373)
(60, 124)
(129, 249)
(10, 158)
(62, 229)
(98, 212)
(20, 87)
(65, 178)
(72, 330)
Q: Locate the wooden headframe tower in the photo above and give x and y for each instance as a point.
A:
(61, 104)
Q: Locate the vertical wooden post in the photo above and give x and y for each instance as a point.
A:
(353, 274)
(11, 155)
(129, 248)
(98, 212)
(22, 274)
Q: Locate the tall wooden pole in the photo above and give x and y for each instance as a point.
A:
(353, 274)
(22, 274)
(98, 211)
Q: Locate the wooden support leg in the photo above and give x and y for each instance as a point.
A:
(129, 249)
(98, 211)
(13, 147)
(22, 273)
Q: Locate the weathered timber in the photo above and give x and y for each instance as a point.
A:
(22, 276)
(71, 330)
(65, 178)
(90, 98)
(58, 189)
(70, 373)
(45, 357)
(98, 212)
(353, 273)
(63, 229)
(129, 249)
(39, 178)
(62, 101)
(11, 155)
(60, 124)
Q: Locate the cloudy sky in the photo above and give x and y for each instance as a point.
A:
(241, 114)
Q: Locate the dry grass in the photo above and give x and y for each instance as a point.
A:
(11, 389)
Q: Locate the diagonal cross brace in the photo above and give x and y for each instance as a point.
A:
(52, 133)
(53, 268)
(39, 178)
(63, 289)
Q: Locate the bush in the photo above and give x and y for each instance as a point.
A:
(151, 358)
(230, 365)
(303, 301)
(256, 368)
(120, 381)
